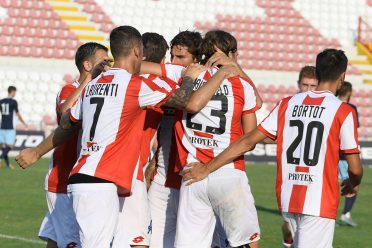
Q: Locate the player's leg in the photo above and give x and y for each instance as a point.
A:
(196, 220)
(232, 201)
(9, 142)
(96, 207)
(286, 232)
(134, 226)
(345, 217)
(311, 231)
(63, 219)
(51, 244)
(163, 203)
(47, 232)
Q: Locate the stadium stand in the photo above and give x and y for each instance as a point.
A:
(275, 39)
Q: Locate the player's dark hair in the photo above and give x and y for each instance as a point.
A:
(345, 88)
(154, 47)
(11, 89)
(307, 71)
(189, 39)
(330, 64)
(220, 39)
(123, 39)
(85, 52)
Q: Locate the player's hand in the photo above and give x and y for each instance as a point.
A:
(220, 58)
(195, 173)
(27, 157)
(101, 67)
(229, 71)
(348, 189)
(194, 70)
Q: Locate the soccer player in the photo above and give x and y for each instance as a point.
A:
(164, 190)
(202, 136)
(310, 128)
(307, 81)
(59, 226)
(344, 94)
(112, 113)
(8, 108)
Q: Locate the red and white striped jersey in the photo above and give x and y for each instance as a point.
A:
(202, 136)
(152, 121)
(167, 151)
(65, 155)
(310, 129)
(112, 110)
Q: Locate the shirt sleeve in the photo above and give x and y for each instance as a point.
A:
(250, 97)
(16, 106)
(348, 134)
(151, 94)
(269, 126)
(173, 72)
(66, 91)
(75, 112)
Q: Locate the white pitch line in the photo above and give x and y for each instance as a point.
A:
(21, 239)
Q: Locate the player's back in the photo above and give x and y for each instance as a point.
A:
(8, 107)
(311, 129)
(202, 136)
(112, 112)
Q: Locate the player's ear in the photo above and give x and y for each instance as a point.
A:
(87, 66)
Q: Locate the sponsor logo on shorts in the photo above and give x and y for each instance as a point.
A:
(254, 236)
(138, 239)
(71, 245)
(149, 228)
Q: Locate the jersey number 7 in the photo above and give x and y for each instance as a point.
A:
(99, 101)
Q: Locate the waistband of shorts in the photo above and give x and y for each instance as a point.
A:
(91, 187)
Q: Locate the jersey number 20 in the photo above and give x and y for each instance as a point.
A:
(308, 140)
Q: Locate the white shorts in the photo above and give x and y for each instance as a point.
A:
(225, 193)
(134, 226)
(163, 206)
(60, 223)
(311, 231)
(96, 206)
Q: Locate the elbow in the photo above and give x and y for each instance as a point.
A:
(193, 106)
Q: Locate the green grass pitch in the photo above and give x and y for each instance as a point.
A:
(23, 206)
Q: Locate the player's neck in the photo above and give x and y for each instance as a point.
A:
(125, 64)
(82, 77)
(327, 86)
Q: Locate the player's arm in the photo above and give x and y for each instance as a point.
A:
(247, 142)
(74, 95)
(20, 118)
(72, 98)
(203, 95)
(150, 171)
(151, 68)
(351, 185)
(182, 95)
(29, 156)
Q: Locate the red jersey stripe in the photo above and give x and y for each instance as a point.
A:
(313, 101)
(279, 149)
(297, 201)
